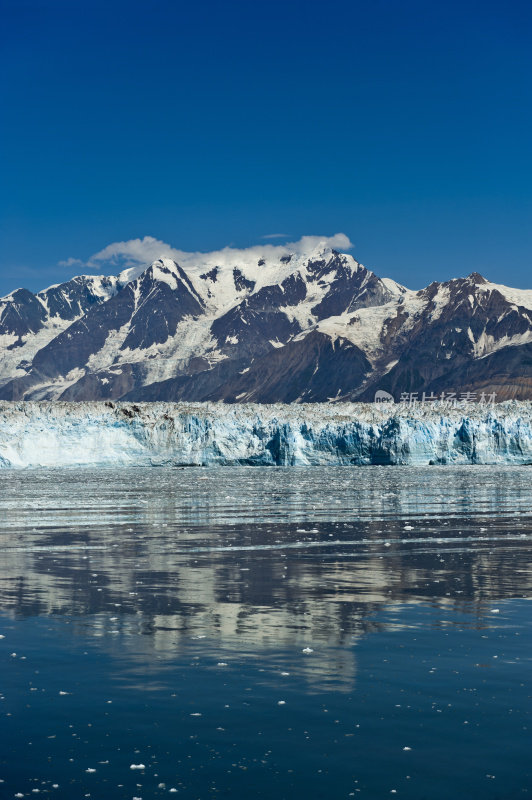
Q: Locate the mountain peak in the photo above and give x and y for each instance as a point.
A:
(477, 278)
(302, 320)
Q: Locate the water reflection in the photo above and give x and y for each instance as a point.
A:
(260, 560)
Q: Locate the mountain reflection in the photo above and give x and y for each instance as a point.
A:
(253, 560)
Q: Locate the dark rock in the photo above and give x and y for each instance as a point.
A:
(241, 282)
(22, 314)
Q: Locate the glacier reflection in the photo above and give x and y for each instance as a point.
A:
(259, 560)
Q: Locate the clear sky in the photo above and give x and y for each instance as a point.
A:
(404, 124)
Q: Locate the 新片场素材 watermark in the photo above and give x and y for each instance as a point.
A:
(452, 399)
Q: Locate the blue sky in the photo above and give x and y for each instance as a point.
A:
(405, 125)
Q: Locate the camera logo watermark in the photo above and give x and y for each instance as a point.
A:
(383, 397)
(449, 399)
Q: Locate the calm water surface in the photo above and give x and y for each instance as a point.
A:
(266, 633)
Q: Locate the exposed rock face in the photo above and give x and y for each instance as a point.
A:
(303, 371)
(21, 313)
(287, 327)
(348, 290)
(464, 332)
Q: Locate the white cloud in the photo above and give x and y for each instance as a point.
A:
(71, 262)
(136, 253)
(275, 236)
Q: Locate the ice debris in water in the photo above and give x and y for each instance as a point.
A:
(137, 766)
(42, 433)
(307, 650)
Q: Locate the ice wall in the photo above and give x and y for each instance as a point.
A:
(36, 434)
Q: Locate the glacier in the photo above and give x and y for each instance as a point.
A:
(106, 434)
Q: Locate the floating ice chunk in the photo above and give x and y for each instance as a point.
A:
(307, 650)
(495, 611)
(407, 748)
(221, 664)
(63, 693)
(407, 528)
(281, 702)
(90, 769)
(137, 766)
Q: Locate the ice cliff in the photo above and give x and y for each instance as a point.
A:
(36, 434)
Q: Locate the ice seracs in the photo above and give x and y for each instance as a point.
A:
(34, 434)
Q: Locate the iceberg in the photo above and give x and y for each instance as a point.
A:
(64, 434)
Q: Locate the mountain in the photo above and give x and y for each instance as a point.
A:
(28, 322)
(266, 326)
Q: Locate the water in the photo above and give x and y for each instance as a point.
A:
(268, 633)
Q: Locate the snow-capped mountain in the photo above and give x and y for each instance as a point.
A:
(29, 321)
(276, 326)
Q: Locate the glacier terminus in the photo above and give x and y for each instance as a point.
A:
(63, 434)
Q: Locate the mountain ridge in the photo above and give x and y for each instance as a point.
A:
(300, 326)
